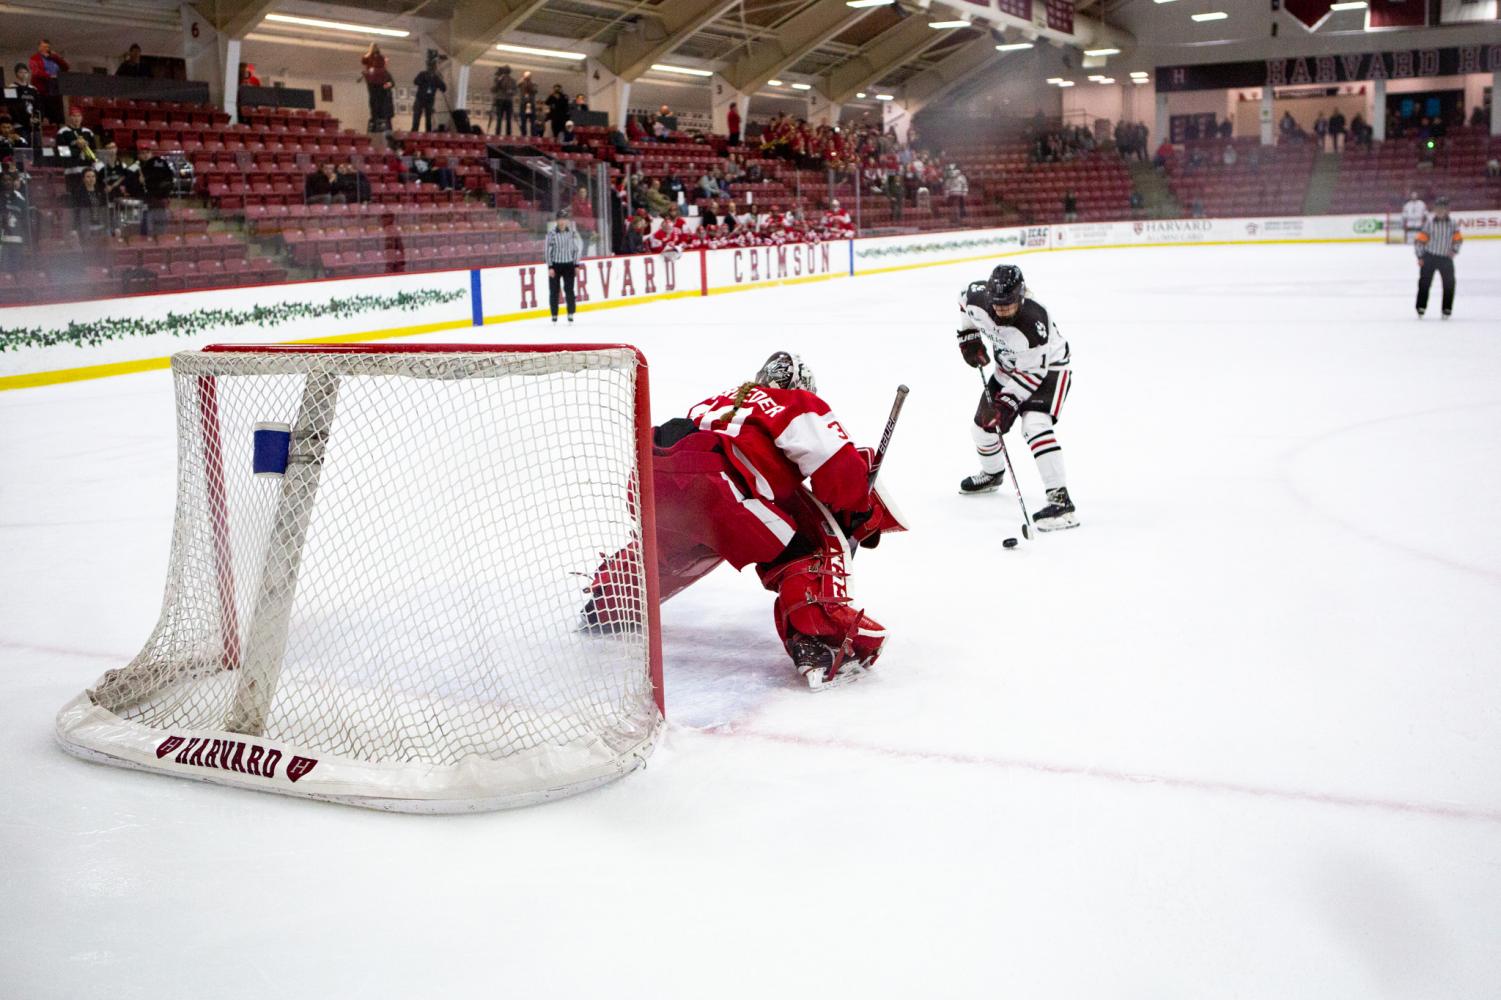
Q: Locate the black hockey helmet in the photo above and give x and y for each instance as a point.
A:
(1006, 286)
(785, 370)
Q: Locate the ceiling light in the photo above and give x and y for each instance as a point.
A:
(1096, 77)
(948, 24)
(869, 3)
(885, 97)
(1349, 5)
(527, 50)
(1065, 83)
(1162, 1)
(860, 96)
(681, 70)
(1214, 15)
(1138, 72)
(318, 22)
(1102, 52)
(1106, 79)
(1055, 79)
(1139, 80)
(1013, 46)
(774, 83)
(802, 86)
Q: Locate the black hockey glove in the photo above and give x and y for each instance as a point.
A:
(1005, 409)
(972, 346)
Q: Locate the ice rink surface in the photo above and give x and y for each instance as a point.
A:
(1237, 736)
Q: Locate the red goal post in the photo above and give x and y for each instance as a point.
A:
(378, 563)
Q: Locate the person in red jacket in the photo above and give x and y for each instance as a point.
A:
(45, 65)
(734, 123)
(764, 474)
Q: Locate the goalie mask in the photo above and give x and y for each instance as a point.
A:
(784, 370)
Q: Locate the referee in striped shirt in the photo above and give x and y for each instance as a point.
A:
(1437, 243)
(562, 251)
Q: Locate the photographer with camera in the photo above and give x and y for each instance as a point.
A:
(428, 83)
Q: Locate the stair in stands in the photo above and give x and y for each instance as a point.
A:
(1157, 198)
(1321, 184)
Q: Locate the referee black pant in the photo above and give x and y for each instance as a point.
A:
(563, 274)
(1445, 268)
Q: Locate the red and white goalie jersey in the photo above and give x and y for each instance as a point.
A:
(775, 438)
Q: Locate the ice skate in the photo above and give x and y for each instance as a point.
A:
(814, 660)
(984, 482)
(1058, 514)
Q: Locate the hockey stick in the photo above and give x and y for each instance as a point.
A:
(879, 457)
(1006, 460)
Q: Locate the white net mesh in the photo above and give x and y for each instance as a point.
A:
(406, 598)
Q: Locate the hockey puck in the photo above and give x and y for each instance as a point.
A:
(1010, 543)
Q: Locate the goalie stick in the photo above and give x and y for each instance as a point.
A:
(1010, 472)
(877, 460)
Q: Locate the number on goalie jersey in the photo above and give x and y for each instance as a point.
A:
(1032, 377)
(730, 486)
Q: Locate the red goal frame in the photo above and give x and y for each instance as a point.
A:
(208, 406)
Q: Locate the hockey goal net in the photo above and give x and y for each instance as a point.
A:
(378, 564)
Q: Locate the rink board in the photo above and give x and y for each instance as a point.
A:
(47, 344)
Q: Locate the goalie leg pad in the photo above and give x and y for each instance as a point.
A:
(813, 603)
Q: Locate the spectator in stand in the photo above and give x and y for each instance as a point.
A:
(1477, 117)
(123, 180)
(45, 65)
(580, 104)
(1361, 133)
(526, 95)
(1070, 207)
(1165, 154)
(1288, 127)
(708, 186)
(1137, 203)
(1493, 167)
(132, 65)
(635, 235)
(76, 146)
(893, 188)
(351, 185)
(837, 221)
(26, 106)
(708, 215)
(732, 118)
(90, 209)
(247, 75)
(318, 187)
(1414, 215)
(557, 110)
(1229, 157)
(1321, 129)
(1197, 209)
(673, 187)
(634, 133)
(570, 138)
(956, 187)
(1227, 129)
(654, 199)
(378, 85)
(160, 182)
(15, 223)
(436, 172)
(665, 125)
(10, 139)
(428, 84)
(503, 100)
(1337, 130)
(1191, 129)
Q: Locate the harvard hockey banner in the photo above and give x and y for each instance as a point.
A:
(1309, 13)
(1061, 15)
(1016, 8)
(1463, 11)
(1396, 14)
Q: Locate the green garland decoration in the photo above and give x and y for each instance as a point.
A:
(187, 324)
(993, 241)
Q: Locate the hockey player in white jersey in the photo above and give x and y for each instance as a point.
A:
(1031, 381)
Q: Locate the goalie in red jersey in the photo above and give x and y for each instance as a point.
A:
(764, 474)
